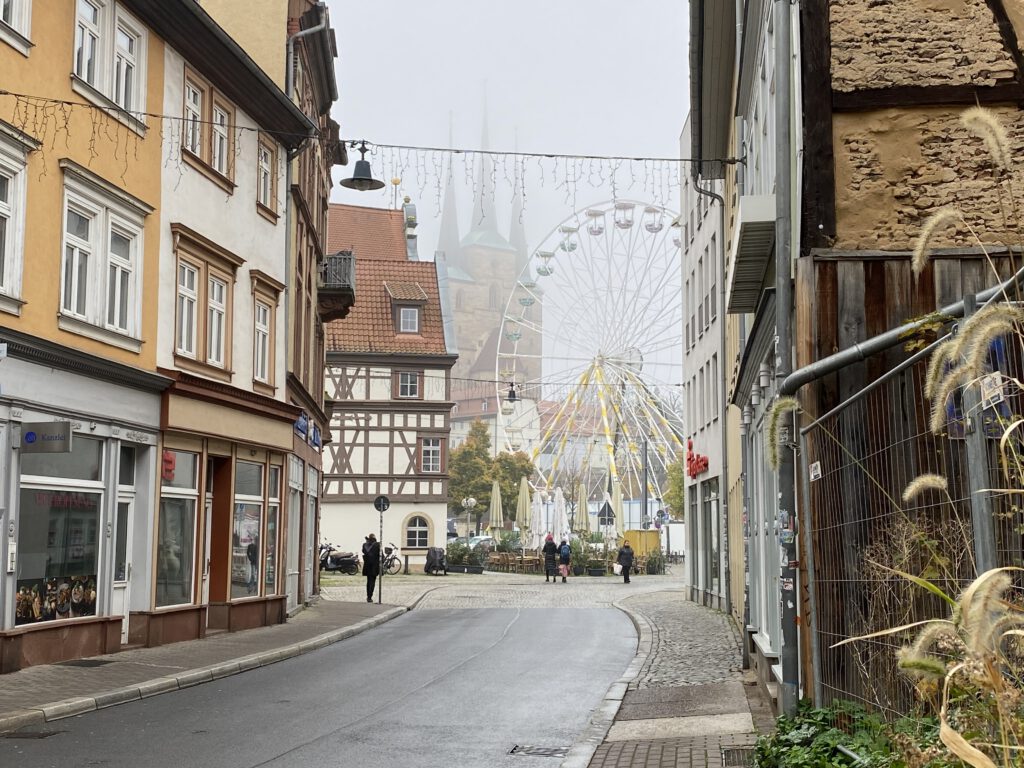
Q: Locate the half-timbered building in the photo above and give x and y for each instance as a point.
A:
(388, 380)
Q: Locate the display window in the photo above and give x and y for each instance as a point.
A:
(59, 514)
(176, 529)
(246, 552)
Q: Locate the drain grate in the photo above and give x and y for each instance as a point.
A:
(29, 734)
(738, 757)
(520, 749)
(85, 662)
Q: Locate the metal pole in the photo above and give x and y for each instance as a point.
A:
(789, 656)
(812, 594)
(643, 511)
(977, 471)
(380, 555)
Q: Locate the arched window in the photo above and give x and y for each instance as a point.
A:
(417, 533)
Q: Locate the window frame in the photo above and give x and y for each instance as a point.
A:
(211, 262)
(416, 392)
(110, 209)
(266, 178)
(421, 455)
(423, 532)
(266, 291)
(206, 160)
(402, 309)
(16, 31)
(14, 149)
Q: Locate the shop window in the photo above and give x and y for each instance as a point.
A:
(83, 462)
(417, 533)
(176, 529)
(126, 466)
(272, 537)
(246, 552)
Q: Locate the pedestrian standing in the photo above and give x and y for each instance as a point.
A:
(564, 557)
(625, 559)
(550, 554)
(371, 564)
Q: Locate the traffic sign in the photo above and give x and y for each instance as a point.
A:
(381, 503)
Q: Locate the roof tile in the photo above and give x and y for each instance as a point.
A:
(378, 233)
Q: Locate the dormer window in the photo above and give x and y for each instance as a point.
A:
(409, 320)
(407, 301)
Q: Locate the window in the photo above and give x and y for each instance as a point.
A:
(108, 66)
(204, 304)
(430, 454)
(409, 384)
(409, 319)
(261, 343)
(711, 277)
(714, 386)
(101, 259)
(216, 309)
(270, 548)
(417, 533)
(266, 178)
(247, 523)
(176, 528)
(209, 131)
(16, 16)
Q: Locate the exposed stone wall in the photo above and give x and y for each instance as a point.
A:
(887, 43)
(895, 167)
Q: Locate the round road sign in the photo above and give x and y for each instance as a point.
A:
(381, 503)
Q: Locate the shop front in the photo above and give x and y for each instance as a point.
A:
(221, 514)
(303, 535)
(78, 492)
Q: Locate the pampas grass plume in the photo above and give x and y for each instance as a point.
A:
(938, 221)
(983, 123)
(937, 366)
(922, 483)
(955, 378)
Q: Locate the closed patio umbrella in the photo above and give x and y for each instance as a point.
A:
(582, 513)
(536, 522)
(523, 511)
(496, 521)
(560, 523)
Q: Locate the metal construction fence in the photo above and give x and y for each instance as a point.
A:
(856, 462)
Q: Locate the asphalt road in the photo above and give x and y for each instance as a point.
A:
(431, 688)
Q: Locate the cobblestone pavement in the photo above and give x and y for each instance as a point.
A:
(691, 644)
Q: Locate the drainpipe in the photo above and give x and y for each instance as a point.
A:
(789, 655)
(723, 486)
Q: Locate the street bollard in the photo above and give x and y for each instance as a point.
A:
(406, 571)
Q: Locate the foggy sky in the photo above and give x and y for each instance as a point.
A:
(561, 76)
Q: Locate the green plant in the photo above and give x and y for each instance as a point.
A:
(476, 556)
(577, 555)
(456, 553)
(655, 561)
(508, 541)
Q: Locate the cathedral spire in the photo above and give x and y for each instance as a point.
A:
(483, 204)
(448, 238)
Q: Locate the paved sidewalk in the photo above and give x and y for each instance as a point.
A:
(49, 692)
(684, 702)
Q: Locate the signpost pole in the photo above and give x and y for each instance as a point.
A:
(381, 504)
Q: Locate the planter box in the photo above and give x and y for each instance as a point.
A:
(474, 569)
(578, 570)
(597, 571)
(456, 569)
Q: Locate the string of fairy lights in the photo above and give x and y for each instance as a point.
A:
(419, 167)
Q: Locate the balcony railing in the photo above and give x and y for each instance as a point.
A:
(337, 291)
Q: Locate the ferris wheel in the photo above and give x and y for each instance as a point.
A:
(591, 346)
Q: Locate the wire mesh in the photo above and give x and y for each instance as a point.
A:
(860, 460)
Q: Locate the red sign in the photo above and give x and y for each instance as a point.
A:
(168, 465)
(695, 462)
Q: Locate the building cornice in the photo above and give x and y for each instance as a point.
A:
(217, 393)
(392, 359)
(34, 349)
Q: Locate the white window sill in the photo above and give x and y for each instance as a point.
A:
(90, 331)
(90, 94)
(15, 39)
(11, 305)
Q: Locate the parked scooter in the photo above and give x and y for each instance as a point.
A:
(332, 559)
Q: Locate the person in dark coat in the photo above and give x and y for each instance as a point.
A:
(564, 558)
(371, 564)
(550, 551)
(625, 559)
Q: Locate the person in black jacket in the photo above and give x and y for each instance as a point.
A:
(550, 551)
(625, 559)
(564, 558)
(371, 564)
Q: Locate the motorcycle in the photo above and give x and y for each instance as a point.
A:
(332, 559)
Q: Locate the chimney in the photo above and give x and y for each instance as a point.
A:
(409, 217)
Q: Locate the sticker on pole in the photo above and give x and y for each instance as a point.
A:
(815, 470)
(381, 503)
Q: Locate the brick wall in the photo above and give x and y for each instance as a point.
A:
(895, 167)
(886, 43)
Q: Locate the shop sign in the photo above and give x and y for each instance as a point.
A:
(46, 437)
(696, 463)
(136, 437)
(315, 439)
(302, 425)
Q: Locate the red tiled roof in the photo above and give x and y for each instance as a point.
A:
(405, 291)
(375, 233)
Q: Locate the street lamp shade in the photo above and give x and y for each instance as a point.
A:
(362, 177)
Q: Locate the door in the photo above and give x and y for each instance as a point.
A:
(121, 593)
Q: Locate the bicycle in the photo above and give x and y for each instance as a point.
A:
(392, 564)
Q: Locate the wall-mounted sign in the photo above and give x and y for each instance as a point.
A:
(314, 436)
(695, 462)
(46, 437)
(302, 425)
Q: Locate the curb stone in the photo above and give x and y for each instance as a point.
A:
(586, 744)
(79, 705)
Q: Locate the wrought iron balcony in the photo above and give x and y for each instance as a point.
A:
(337, 291)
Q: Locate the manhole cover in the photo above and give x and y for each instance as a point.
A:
(85, 662)
(738, 757)
(519, 749)
(29, 734)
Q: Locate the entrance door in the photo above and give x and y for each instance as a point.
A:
(121, 594)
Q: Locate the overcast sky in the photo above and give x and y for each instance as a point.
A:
(561, 76)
